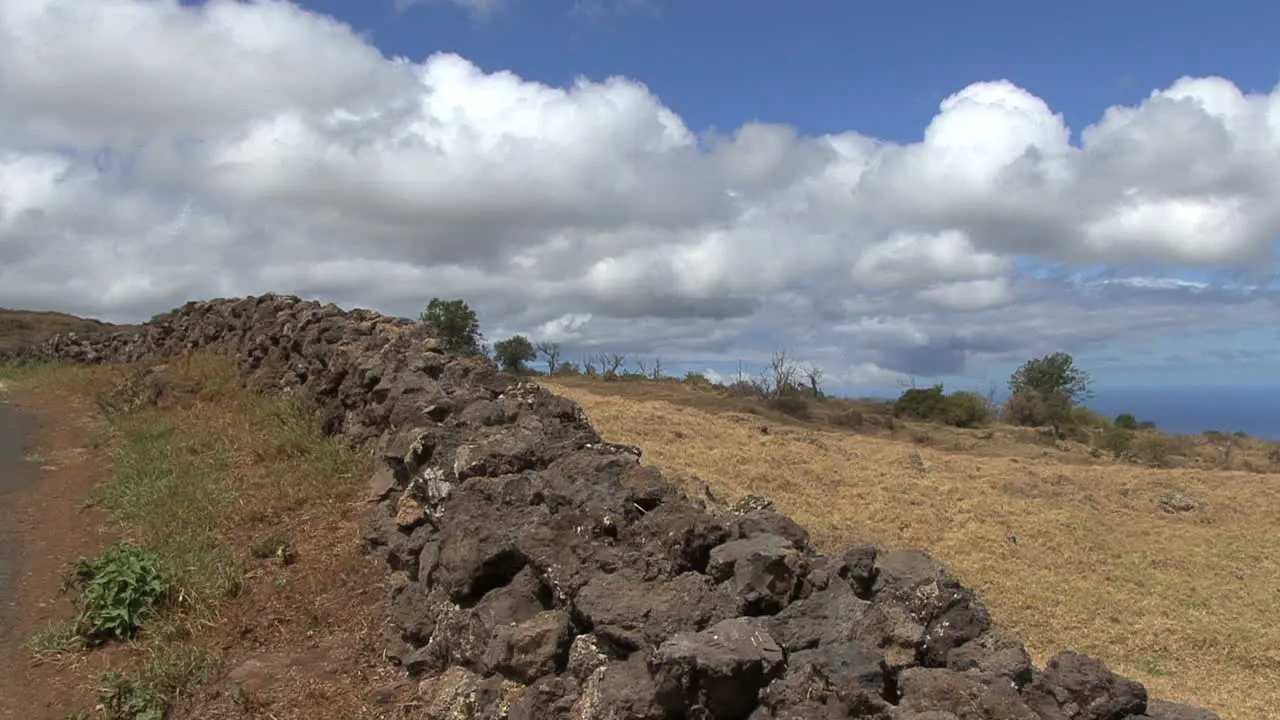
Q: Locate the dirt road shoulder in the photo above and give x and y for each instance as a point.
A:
(51, 460)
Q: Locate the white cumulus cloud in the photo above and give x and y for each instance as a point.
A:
(153, 151)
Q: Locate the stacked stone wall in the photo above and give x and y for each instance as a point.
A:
(540, 572)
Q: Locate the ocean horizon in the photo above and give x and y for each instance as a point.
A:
(1254, 411)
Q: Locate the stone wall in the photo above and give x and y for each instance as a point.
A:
(539, 572)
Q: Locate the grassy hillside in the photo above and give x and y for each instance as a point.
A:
(22, 326)
(1168, 574)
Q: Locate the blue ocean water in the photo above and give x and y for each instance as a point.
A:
(1181, 410)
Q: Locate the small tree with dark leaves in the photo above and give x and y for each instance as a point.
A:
(513, 353)
(455, 323)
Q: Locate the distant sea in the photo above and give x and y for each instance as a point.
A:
(1252, 410)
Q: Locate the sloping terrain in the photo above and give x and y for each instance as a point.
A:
(1097, 556)
(18, 327)
(539, 571)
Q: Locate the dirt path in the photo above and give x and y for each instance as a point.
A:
(48, 469)
(15, 474)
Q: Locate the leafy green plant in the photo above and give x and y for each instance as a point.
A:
(118, 592)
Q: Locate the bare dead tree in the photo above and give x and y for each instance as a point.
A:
(782, 370)
(763, 385)
(643, 366)
(813, 377)
(610, 363)
(657, 368)
(550, 351)
(588, 366)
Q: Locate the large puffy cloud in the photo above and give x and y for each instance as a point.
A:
(152, 151)
(76, 73)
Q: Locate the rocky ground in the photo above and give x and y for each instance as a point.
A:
(539, 572)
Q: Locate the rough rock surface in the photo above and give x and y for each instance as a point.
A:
(540, 572)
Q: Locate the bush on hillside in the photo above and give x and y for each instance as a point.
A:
(793, 405)
(1116, 440)
(968, 410)
(1031, 408)
(1083, 417)
(922, 404)
(960, 409)
(697, 380)
(1126, 421)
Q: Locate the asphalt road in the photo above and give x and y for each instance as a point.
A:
(14, 474)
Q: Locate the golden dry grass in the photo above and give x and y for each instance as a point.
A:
(1183, 602)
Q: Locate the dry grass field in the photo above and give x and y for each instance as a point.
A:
(1067, 550)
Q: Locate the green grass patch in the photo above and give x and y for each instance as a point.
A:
(57, 639)
(168, 495)
(159, 680)
(13, 372)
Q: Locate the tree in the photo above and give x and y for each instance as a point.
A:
(653, 370)
(514, 352)
(813, 376)
(1052, 374)
(455, 323)
(611, 363)
(1048, 388)
(550, 351)
(782, 371)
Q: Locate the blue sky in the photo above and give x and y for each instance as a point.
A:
(881, 67)
(887, 190)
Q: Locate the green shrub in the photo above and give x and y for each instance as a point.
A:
(1116, 440)
(1155, 450)
(118, 592)
(1126, 421)
(968, 410)
(922, 404)
(961, 409)
(697, 380)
